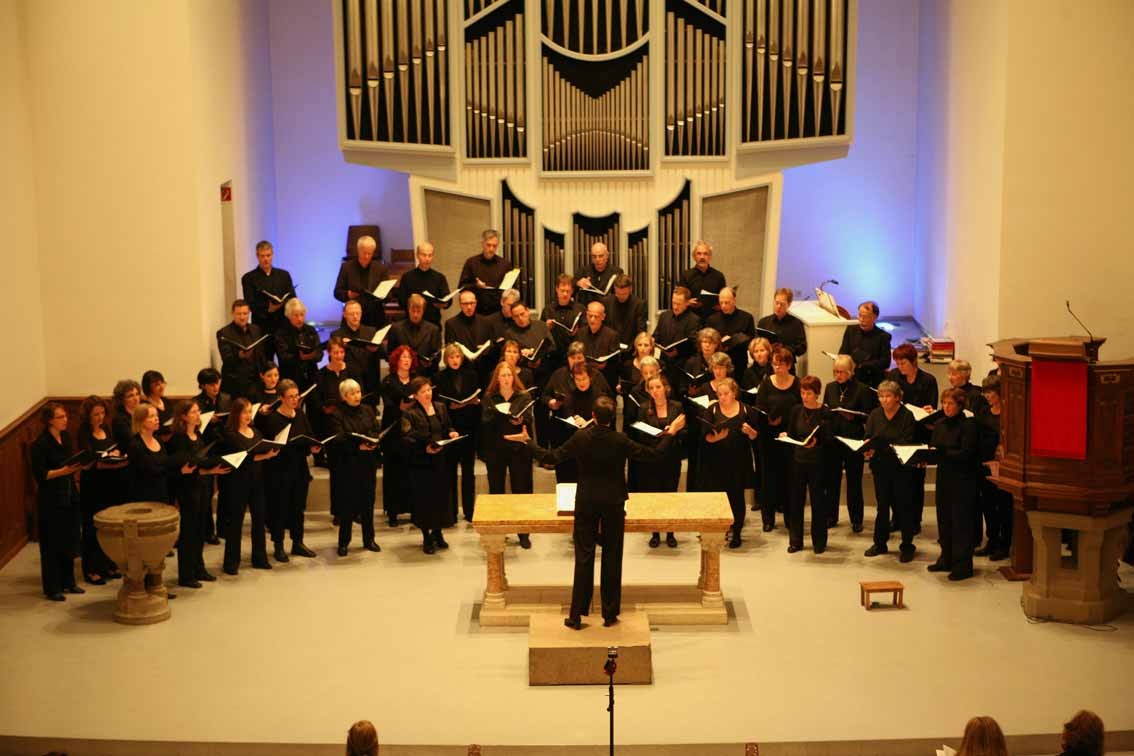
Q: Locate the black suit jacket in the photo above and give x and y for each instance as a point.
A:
(601, 453)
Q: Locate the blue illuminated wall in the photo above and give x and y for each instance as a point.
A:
(853, 219)
(318, 194)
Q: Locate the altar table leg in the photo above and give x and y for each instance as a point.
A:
(494, 553)
(710, 582)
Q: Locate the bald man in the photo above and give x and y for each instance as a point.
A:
(736, 328)
(597, 275)
(424, 279)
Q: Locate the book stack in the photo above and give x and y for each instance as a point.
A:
(941, 350)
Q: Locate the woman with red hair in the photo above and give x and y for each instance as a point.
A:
(396, 399)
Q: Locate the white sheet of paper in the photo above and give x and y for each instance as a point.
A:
(565, 497)
(380, 336)
(919, 414)
(235, 459)
(283, 435)
(510, 279)
(905, 452)
(206, 418)
(382, 290)
(702, 400)
(646, 428)
(854, 443)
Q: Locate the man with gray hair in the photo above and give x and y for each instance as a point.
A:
(426, 281)
(297, 345)
(485, 271)
(418, 334)
(359, 275)
(703, 280)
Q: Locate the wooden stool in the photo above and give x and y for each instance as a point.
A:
(892, 587)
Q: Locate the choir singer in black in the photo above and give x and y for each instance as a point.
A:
(600, 501)
(484, 272)
(56, 504)
(868, 345)
(358, 277)
(787, 327)
(267, 289)
(703, 280)
(424, 425)
(427, 282)
(354, 463)
(850, 402)
(955, 444)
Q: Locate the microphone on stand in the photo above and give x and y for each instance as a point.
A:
(1072, 312)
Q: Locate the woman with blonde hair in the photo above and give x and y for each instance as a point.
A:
(983, 738)
(362, 739)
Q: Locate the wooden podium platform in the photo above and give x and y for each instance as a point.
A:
(558, 655)
(706, 514)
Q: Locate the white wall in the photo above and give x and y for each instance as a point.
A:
(141, 110)
(853, 219)
(1068, 172)
(25, 381)
(961, 128)
(318, 194)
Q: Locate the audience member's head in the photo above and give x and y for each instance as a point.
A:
(983, 738)
(362, 739)
(1083, 735)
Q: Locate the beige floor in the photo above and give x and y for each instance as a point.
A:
(295, 654)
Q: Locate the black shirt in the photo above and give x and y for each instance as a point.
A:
(870, 351)
(564, 315)
(418, 281)
(423, 338)
(628, 319)
(672, 327)
(360, 357)
(789, 332)
(778, 402)
(598, 281)
(354, 277)
(238, 374)
(920, 393)
(492, 273)
(740, 328)
(956, 441)
(711, 280)
(900, 429)
(599, 344)
(471, 332)
(292, 345)
(852, 395)
(254, 283)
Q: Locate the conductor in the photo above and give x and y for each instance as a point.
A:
(600, 499)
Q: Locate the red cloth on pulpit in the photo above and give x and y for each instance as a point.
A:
(1058, 409)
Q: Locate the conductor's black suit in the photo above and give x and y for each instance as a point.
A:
(600, 498)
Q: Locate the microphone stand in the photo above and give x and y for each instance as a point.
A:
(610, 667)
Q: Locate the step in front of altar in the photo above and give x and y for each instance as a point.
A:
(558, 655)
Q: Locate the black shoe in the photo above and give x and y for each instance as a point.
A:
(956, 576)
(56, 597)
(525, 541)
(440, 542)
(264, 565)
(875, 550)
(856, 527)
(74, 589)
(170, 596)
(189, 583)
(832, 523)
(938, 566)
(372, 546)
(300, 550)
(769, 528)
(574, 623)
(998, 556)
(207, 577)
(791, 549)
(428, 548)
(982, 551)
(906, 554)
(734, 542)
(95, 579)
(655, 541)
(342, 551)
(392, 521)
(610, 622)
(671, 540)
(231, 571)
(819, 549)
(280, 555)
(214, 541)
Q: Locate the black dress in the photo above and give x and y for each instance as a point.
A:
(727, 464)
(459, 384)
(98, 489)
(956, 441)
(995, 502)
(397, 498)
(808, 475)
(920, 393)
(149, 472)
(326, 396)
(243, 491)
(503, 458)
(851, 395)
(662, 475)
(775, 457)
(354, 470)
(193, 497)
(287, 477)
(57, 512)
(893, 481)
(428, 478)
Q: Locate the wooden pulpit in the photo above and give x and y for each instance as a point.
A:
(1067, 458)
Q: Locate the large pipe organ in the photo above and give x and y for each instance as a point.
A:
(645, 124)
